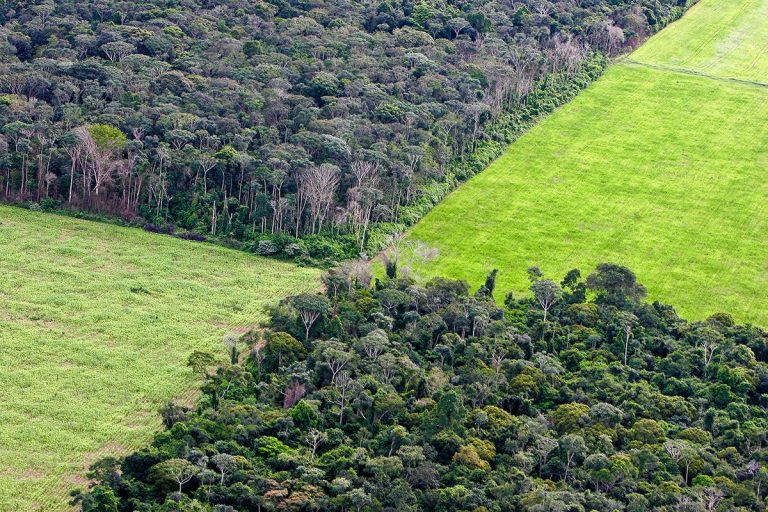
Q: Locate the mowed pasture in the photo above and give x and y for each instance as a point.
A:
(723, 38)
(659, 170)
(96, 323)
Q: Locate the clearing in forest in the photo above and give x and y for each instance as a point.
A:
(96, 323)
(660, 166)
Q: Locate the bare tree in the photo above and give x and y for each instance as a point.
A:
(207, 163)
(709, 345)
(365, 173)
(293, 393)
(566, 55)
(100, 162)
(343, 386)
(357, 272)
(318, 185)
(626, 322)
(607, 36)
(475, 112)
(362, 198)
(499, 354)
(712, 496)
(301, 201)
(314, 439)
(423, 254)
(75, 152)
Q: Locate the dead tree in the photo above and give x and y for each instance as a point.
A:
(318, 186)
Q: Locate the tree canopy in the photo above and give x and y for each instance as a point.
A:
(337, 122)
(432, 398)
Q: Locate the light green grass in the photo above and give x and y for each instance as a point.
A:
(661, 171)
(96, 322)
(725, 38)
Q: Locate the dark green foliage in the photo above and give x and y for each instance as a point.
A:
(214, 117)
(100, 499)
(200, 362)
(435, 399)
(390, 266)
(490, 284)
(615, 285)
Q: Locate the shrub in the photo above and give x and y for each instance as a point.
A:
(266, 247)
(165, 229)
(191, 235)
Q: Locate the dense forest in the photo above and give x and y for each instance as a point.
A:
(338, 122)
(384, 395)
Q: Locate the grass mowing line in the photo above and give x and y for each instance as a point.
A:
(676, 69)
(96, 322)
(713, 36)
(720, 37)
(661, 171)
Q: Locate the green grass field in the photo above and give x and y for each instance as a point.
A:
(723, 38)
(96, 322)
(660, 170)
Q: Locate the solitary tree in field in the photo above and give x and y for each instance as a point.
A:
(490, 284)
(423, 254)
(391, 258)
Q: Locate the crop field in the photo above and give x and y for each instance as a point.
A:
(653, 168)
(96, 323)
